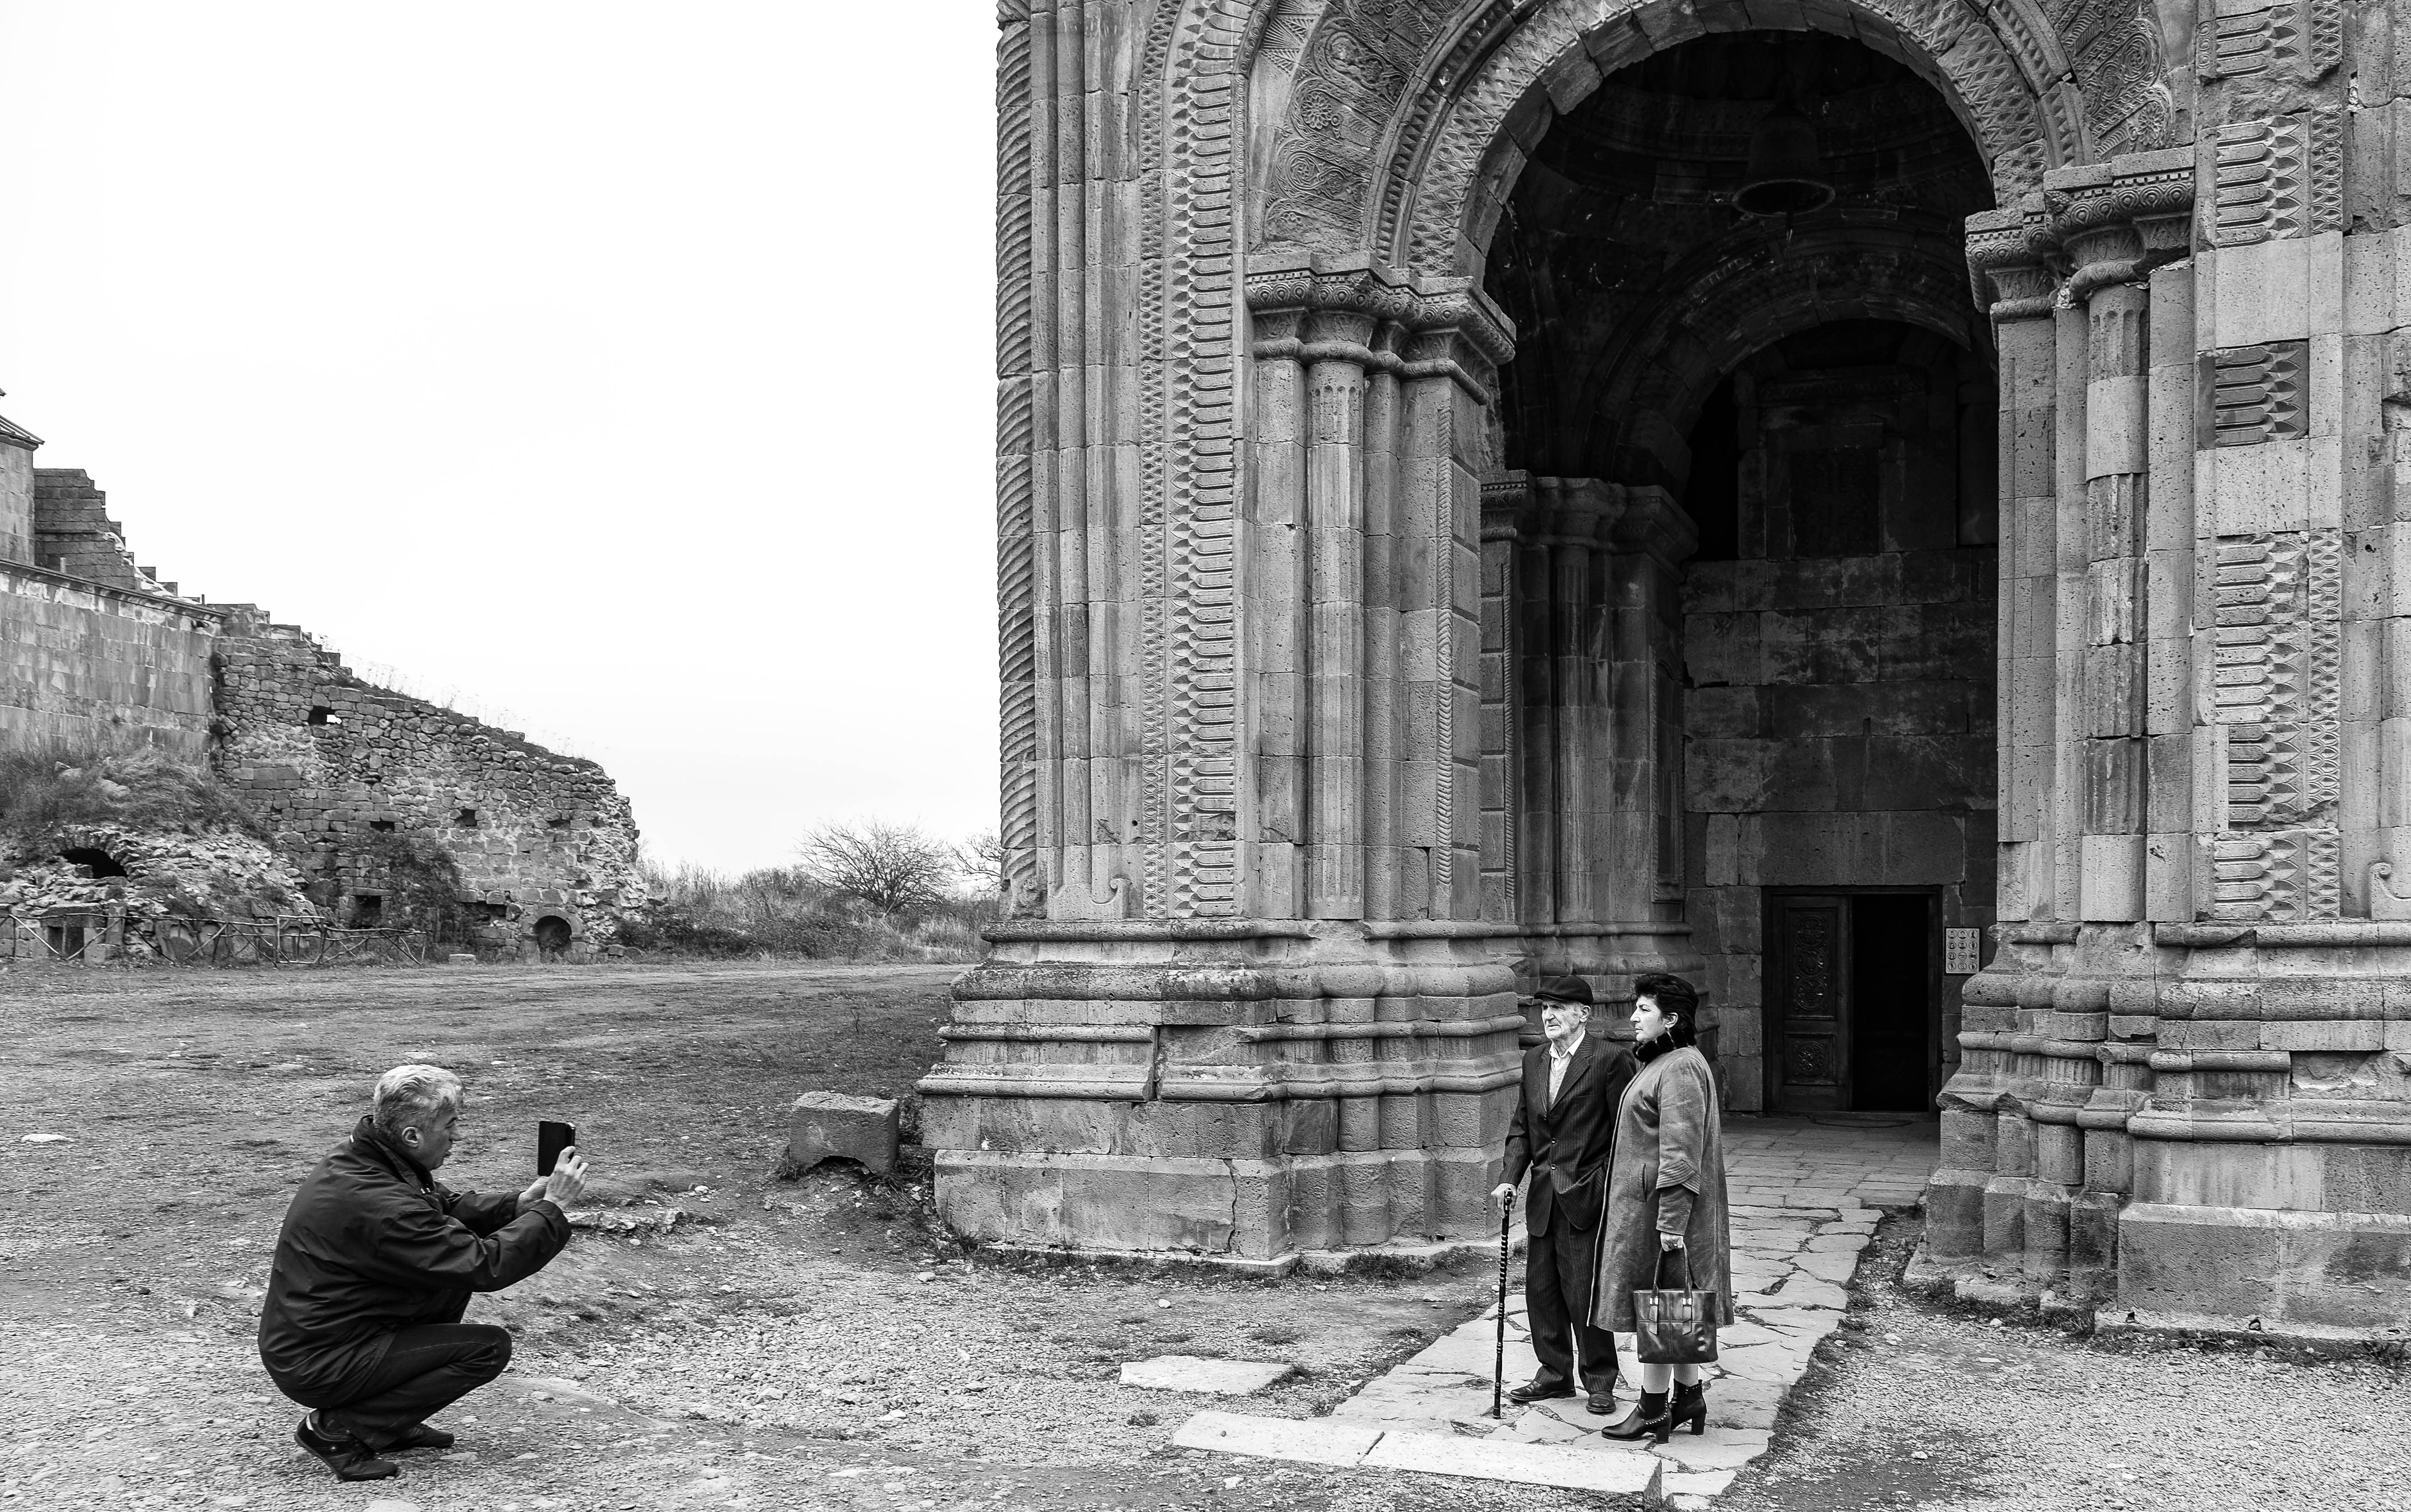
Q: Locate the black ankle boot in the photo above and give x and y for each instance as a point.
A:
(1689, 1406)
(1647, 1420)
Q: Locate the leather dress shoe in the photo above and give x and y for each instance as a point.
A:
(348, 1458)
(1537, 1389)
(1603, 1400)
(418, 1436)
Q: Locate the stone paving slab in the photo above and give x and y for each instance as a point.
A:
(1192, 1373)
(1814, 1194)
(1306, 1440)
(1528, 1465)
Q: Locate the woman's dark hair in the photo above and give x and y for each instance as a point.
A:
(1676, 998)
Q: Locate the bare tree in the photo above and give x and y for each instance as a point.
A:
(982, 860)
(890, 866)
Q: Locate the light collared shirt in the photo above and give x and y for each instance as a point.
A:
(1559, 1062)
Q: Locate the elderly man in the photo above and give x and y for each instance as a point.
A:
(1562, 1134)
(374, 1268)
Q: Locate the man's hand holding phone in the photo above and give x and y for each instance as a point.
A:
(565, 1185)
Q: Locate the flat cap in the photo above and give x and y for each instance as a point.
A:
(1566, 990)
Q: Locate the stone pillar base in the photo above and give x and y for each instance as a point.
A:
(2265, 1266)
(1247, 1092)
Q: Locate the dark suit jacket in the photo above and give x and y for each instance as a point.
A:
(1565, 1144)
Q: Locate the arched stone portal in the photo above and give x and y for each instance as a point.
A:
(1360, 650)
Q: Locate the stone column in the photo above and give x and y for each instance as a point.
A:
(1260, 1016)
(1597, 619)
(1336, 354)
(2006, 255)
(2096, 606)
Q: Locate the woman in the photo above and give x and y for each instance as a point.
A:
(1665, 1199)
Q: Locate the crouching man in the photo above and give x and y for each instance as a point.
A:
(373, 1271)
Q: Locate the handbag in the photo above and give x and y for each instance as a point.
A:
(1671, 1325)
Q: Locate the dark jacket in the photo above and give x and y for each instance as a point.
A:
(1565, 1144)
(372, 1245)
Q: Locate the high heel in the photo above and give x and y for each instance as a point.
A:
(1689, 1406)
(1649, 1419)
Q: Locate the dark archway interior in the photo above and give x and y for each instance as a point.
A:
(101, 862)
(1625, 207)
(1816, 391)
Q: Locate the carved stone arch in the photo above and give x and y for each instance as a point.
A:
(1405, 121)
(1468, 165)
(1737, 297)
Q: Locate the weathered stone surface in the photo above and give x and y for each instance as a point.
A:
(1190, 1372)
(1625, 1473)
(1313, 1440)
(834, 1125)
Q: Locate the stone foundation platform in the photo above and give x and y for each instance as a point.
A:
(1250, 1093)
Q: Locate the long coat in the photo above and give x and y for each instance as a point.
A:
(1667, 1177)
(373, 1244)
(1564, 1140)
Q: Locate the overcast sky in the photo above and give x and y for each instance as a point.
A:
(627, 367)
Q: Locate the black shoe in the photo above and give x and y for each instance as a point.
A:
(1537, 1389)
(1603, 1400)
(348, 1458)
(1647, 1420)
(1689, 1406)
(420, 1437)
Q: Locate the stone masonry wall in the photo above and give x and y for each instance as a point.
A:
(100, 650)
(545, 843)
(1841, 709)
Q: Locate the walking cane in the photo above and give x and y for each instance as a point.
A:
(1498, 1358)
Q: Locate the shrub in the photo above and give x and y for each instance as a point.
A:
(788, 911)
(893, 867)
(51, 785)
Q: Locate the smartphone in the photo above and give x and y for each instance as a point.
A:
(550, 1139)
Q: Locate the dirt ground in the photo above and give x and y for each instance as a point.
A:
(743, 1341)
(784, 1344)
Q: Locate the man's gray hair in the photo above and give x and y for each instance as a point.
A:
(408, 1095)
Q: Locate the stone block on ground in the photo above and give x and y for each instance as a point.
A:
(1313, 1441)
(1718, 1448)
(1190, 1373)
(1611, 1472)
(831, 1126)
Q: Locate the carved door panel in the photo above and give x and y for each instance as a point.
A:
(1808, 991)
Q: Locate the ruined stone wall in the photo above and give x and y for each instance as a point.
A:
(1840, 717)
(545, 843)
(80, 661)
(85, 656)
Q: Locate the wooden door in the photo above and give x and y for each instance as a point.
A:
(1808, 1008)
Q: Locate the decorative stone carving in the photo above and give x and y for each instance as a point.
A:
(2297, 40)
(2385, 903)
(1437, 90)
(2252, 394)
(2278, 177)
(1017, 630)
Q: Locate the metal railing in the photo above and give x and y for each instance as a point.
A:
(213, 942)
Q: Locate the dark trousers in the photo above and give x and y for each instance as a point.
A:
(428, 1369)
(1560, 1268)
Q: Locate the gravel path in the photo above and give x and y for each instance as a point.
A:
(1929, 1407)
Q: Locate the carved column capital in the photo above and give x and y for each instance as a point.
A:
(2008, 266)
(2119, 220)
(1653, 524)
(1309, 306)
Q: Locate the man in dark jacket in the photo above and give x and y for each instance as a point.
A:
(1562, 1134)
(373, 1271)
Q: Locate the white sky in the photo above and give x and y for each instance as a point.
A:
(624, 367)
